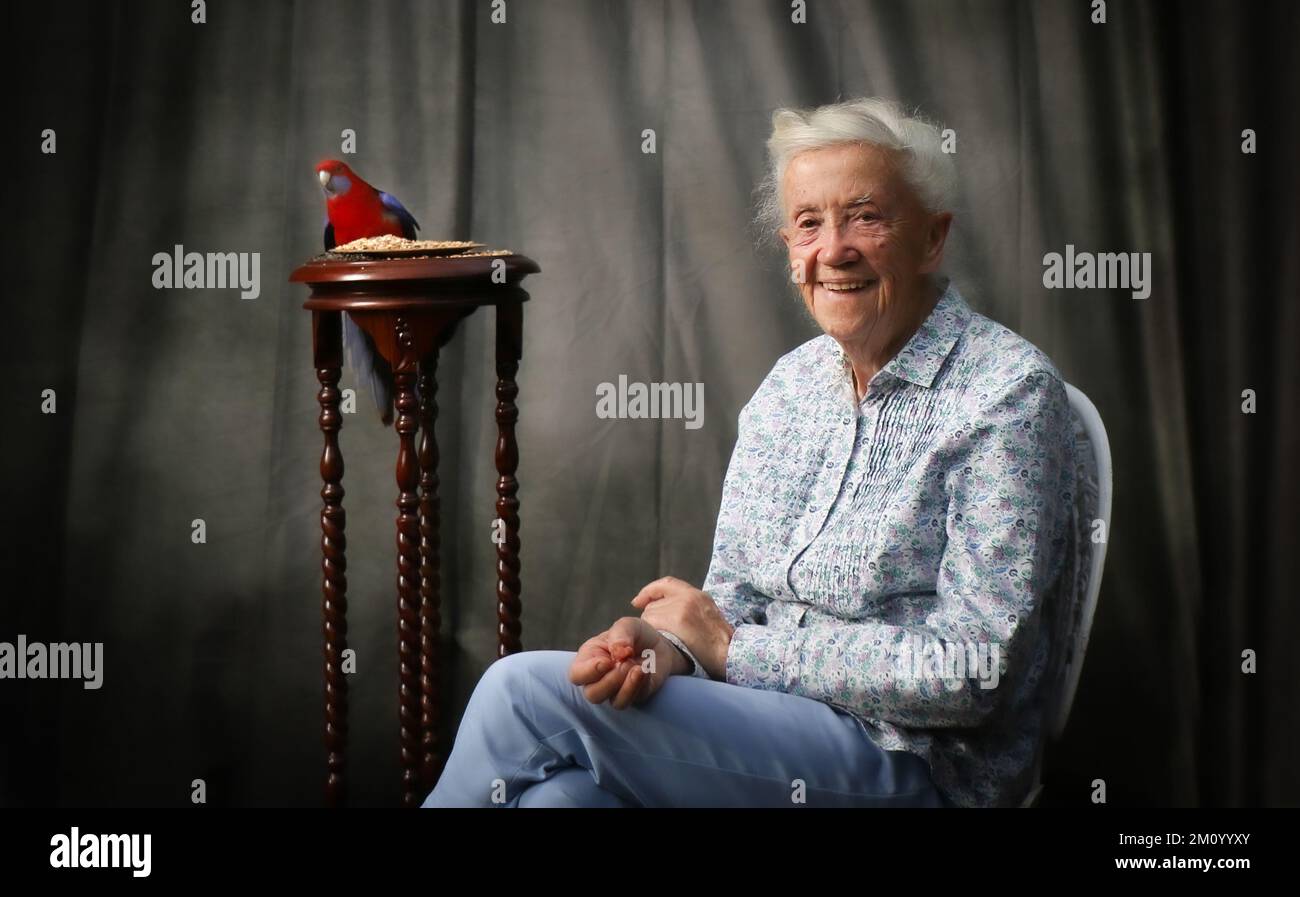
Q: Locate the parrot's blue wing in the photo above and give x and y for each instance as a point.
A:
(369, 367)
(409, 224)
(329, 235)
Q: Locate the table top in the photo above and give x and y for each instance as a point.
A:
(340, 282)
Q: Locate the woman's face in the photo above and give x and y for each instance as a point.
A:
(859, 239)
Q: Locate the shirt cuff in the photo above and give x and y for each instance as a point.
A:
(697, 668)
(757, 658)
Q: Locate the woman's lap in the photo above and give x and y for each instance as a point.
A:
(696, 742)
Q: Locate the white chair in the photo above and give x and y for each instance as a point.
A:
(1095, 479)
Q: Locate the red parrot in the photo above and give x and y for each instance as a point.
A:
(355, 209)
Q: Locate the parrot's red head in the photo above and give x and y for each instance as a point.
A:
(335, 178)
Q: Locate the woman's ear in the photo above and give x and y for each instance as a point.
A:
(936, 236)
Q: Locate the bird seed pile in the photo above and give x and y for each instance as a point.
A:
(389, 243)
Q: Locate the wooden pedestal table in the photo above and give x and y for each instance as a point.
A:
(410, 307)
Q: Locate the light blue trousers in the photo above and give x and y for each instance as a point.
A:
(529, 738)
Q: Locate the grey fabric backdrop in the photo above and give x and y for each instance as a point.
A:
(184, 404)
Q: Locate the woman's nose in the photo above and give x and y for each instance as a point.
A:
(835, 249)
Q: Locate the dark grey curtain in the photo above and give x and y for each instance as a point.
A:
(176, 405)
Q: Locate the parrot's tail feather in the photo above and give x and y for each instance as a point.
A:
(369, 366)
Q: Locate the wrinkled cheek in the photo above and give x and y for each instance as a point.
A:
(884, 295)
(799, 270)
(806, 297)
(884, 261)
(800, 279)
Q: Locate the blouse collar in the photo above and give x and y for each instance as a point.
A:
(922, 356)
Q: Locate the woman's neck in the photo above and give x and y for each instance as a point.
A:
(889, 335)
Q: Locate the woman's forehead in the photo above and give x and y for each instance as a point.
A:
(841, 175)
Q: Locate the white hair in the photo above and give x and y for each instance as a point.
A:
(871, 120)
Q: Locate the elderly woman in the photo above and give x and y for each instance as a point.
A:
(874, 626)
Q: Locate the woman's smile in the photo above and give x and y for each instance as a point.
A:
(846, 286)
(834, 291)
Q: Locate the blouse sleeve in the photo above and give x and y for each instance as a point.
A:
(726, 580)
(1009, 490)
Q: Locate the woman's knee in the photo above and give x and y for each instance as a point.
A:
(519, 674)
(521, 685)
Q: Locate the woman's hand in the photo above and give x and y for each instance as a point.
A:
(691, 615)
(625, 664)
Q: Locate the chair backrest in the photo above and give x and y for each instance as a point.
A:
(1093, 486)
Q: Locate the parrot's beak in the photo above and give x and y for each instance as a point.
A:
(324, 179)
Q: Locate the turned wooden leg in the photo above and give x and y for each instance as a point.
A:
(430, 574)
(408, 565)
(509, 348)
(328, 352)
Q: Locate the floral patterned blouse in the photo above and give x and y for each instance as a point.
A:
(897, 557)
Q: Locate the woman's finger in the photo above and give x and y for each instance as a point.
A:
(652, 592)
(600, 691)
(645, 689)
(631, 685)
(585, 670)
(592, 660)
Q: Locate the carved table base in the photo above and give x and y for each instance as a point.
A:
(410, 308)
